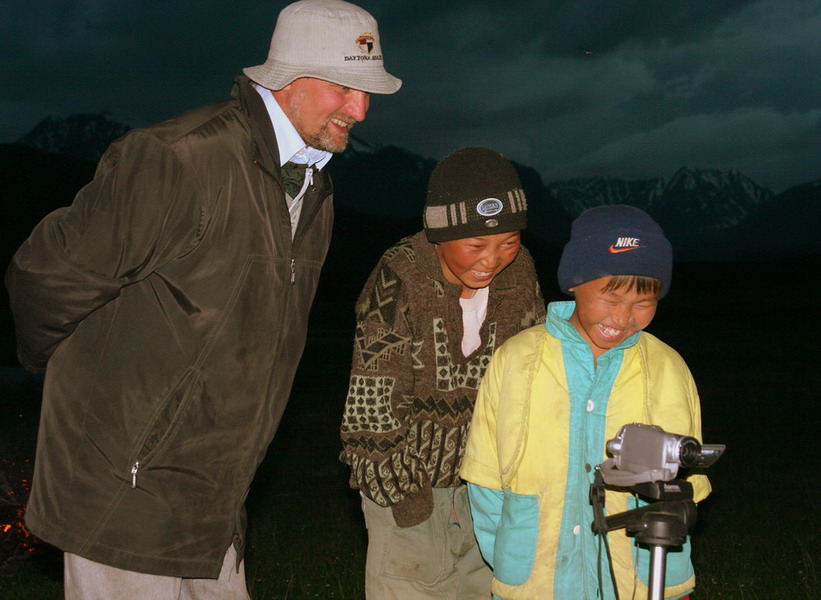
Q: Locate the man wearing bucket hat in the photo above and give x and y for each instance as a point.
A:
(168, 307)
(428, 320)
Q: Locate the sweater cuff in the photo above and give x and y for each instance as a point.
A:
(414, 508)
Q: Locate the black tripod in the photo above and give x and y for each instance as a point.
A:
(661, 525)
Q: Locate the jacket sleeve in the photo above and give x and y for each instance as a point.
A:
(700, 482)
(507, 530)
(135, 214)
(506, 523)
(480, 464)
(674, 404)
(375, 426)
(486, 510)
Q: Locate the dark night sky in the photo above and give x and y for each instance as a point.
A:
(572, 88)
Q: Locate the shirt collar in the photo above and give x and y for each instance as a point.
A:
(291, 145)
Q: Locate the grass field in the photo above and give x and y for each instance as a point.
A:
(757, 538)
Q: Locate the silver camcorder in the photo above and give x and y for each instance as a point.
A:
(644, 453)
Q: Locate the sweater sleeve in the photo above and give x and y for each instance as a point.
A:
(120, 227)
(375, 426)
(532, 305)
(539, 307)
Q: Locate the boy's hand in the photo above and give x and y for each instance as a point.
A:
(414, 508)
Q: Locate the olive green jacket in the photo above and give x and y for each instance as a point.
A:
(169, 307)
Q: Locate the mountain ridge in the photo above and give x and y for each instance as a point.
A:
(708, 214)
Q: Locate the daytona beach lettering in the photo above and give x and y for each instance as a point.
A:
(363, 57)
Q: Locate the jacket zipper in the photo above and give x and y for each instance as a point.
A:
(134, 468)
(308, 182)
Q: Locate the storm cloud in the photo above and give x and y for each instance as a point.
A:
(627, 89)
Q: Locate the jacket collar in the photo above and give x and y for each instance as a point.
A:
(265, 148)
(558, 325)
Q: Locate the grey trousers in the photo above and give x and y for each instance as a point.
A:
(437, 559)
(88, 580)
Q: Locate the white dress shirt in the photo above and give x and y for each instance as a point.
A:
(292, 148)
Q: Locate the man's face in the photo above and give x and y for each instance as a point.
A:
(474, 262)
(605, 319)
(322, 112)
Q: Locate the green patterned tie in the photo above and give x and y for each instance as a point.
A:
(293, 175)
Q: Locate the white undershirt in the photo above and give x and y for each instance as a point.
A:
(474, 311)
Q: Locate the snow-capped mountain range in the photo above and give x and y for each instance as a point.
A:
(706, 199)
(706, 213)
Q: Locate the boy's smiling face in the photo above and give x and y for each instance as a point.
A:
(606, 318)
(474, 262)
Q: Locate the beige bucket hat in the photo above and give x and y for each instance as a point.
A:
(326, 39)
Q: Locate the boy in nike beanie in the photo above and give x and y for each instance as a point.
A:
(550, 400)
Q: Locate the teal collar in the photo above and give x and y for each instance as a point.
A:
(558, 325)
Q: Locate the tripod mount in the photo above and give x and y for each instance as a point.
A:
(662, 524)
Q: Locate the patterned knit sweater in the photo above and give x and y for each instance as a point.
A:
(412, 391)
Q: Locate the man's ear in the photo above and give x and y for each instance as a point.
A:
(283, 92)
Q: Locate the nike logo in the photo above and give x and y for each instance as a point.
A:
(614, 250)
(623, 244)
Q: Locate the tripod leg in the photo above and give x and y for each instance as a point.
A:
(658, 563)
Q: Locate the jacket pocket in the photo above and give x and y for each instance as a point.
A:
(166, 420)
(518, 533)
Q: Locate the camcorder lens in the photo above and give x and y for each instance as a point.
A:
(689, 452)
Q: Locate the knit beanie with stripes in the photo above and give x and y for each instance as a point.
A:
(471, 193)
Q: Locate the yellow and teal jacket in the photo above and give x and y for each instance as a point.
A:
(544, 413)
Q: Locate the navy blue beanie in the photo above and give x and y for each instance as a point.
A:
(615, 240)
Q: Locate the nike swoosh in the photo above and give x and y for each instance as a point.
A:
(614, 250)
